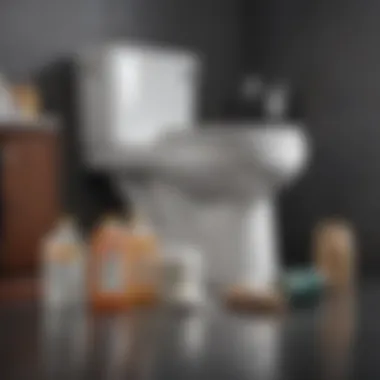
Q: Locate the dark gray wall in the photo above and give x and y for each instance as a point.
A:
(330, 50)
(36, 32)
(38, 37)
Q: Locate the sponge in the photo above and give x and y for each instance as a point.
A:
(303, 287)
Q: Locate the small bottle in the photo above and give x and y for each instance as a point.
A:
(192, 288)
(63, 265)
(183, 282)
(145, 259)
(111, 272)
(334, 253)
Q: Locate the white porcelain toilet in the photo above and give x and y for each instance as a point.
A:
(211, 186)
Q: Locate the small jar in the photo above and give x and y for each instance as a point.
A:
(182, 276)
(335, 253)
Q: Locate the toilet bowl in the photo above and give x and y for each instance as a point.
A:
(230, 177)
(212, 187)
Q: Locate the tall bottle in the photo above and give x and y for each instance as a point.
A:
(63, 265)
(110, 276)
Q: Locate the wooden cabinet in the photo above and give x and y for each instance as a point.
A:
(29, 196)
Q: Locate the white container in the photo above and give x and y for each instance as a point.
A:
(63, 266)
(182, 276)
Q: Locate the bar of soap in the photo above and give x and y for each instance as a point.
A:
(303, 287)
(243, 299)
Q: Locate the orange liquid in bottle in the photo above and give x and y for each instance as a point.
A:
(144, 259)
(111, 267)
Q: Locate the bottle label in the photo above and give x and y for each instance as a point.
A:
(113, 276)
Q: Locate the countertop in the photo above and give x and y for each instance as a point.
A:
(44, 123)
(337, 340)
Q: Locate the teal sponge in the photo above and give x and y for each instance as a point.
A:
(303, 287)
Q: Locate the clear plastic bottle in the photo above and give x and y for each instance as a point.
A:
(63, 266)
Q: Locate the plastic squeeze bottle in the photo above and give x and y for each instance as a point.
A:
(63, 265)
(110, 271)
(145, 262)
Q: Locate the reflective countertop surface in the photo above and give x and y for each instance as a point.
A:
(337, 340)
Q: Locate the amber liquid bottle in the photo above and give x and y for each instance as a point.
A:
(111, 267)
(145, 263)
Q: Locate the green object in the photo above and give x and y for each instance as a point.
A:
(303, 287)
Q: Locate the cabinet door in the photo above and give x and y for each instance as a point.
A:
(30, 203)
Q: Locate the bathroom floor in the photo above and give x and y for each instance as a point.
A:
(326, 343)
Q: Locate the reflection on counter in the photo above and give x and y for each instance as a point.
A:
(112, 346)
(64, 336)
(261, 349)
(192, 335)
(337, 332)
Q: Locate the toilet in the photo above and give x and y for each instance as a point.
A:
(211, 186)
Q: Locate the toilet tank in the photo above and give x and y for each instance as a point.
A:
(130, 94)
